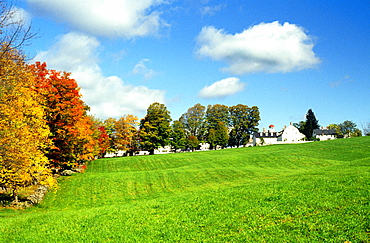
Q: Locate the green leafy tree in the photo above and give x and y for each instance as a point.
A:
(349, 129)
(310, 124)
(221, 134)
(243, 121)
(178, 136)
(216, 114)
(155, 128)
(193, 121)
(211, 138)
(300, 125)
(109, 125)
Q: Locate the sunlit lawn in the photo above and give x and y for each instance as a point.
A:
(314, 192)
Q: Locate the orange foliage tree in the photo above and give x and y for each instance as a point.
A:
(101, 137)
(71, 128)
(103, 141)
(24, 134)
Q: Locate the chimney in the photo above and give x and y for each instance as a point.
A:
(271, 128)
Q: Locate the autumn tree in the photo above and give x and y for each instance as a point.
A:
(66, 116)
(86, 137)
(155, 128)
(100, 137)
(125, 133)
(24, 134)
(243, 122)
(192, 142)
(103, 141)
(194, 121)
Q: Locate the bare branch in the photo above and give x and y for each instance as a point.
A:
(14, 32)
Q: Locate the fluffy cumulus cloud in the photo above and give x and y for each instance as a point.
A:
(109, 18)
(266, 47)
(106, 96)
(222, 88)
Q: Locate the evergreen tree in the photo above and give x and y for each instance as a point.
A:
(310, 124)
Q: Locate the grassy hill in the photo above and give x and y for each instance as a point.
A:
(314, 192)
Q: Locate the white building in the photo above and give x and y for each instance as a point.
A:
(288, 134)
(291, 134)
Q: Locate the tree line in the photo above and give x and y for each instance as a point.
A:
(217, 125)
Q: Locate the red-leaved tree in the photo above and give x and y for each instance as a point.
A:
(71, 128)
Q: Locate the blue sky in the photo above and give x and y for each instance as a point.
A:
(283, 56)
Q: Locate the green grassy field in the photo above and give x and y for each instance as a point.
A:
(314, 192)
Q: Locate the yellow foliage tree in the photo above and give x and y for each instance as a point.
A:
(23, 130)
(125, 132)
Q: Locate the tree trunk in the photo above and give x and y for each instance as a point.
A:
(15, 195)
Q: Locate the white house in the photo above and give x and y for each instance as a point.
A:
(324, 134)
(288, 134)
(291, 134)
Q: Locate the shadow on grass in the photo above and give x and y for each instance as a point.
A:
(5, 199)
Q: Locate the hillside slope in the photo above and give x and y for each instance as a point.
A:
(310, 192)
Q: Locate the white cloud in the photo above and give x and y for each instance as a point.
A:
(19, 16)
(211, 10)
(109, 18)
(222, 88)
(142, 69)
(341, 81)
(266, 47)
(106, 96)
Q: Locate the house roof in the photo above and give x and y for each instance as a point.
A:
(324, 132)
